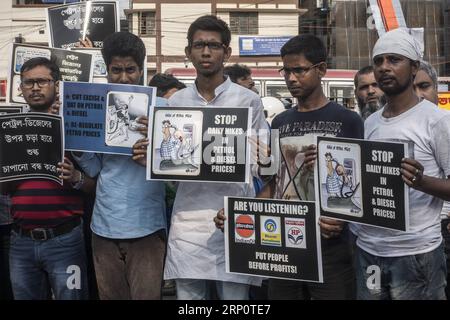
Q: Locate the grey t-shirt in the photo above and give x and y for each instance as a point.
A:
(429, 128)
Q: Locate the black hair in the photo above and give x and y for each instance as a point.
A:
(210, 23)
(41, 61)
(164, 82)
(124, 44)
(364, 70)
(310, 46)
(237, 71)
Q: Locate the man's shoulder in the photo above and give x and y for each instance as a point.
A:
(180, 96)
(344, 113)
(284, 117)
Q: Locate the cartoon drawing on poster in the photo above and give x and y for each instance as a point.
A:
(178, 140)
(72, 66)
(99, 65)
(123, 111)
(23, 54)
(340, 178)
(294, 182)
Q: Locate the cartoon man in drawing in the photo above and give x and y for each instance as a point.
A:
(169, 144)
(184, 149)
(336, 177)
(119, 119)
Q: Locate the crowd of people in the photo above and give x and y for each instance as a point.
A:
(109, 233)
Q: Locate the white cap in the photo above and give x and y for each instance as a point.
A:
(400, 42)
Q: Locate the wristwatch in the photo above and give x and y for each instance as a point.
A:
(77, 185)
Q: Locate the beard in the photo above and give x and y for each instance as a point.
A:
(370, 108)
(43, 105)
(40, 107)
(395, 89)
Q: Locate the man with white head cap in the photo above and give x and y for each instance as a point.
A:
(411, 264)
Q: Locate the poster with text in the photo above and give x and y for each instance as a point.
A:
(273, 238)
(99, 69)
(102, 117)
(31, 145)
(73, 66)
(199, 144)
(92, 19)
(360, 181)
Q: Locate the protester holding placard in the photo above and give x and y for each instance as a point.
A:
(129, 233)
(195, 252)
(47, 249)
(407, 265)
(304, 64)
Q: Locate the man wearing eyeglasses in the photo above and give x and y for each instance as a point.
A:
(47, 246)
(196, 252)
(304, 66)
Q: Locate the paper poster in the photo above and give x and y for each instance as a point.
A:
(273, 238)
(199, 144)
(360, 181)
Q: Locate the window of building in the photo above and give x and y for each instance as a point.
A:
(147, 23)
(244, 22)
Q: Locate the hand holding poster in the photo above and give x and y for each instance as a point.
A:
(31, 146)
(199, 144)
(273, 238)
(103, 117)
(360, 181)
(74, 66)
(70, 22)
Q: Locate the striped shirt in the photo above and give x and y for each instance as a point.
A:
(44, 204)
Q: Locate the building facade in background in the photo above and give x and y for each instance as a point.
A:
(256, 26)
(259, 28)
(348, 28)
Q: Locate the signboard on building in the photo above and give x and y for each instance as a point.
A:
(261, 46)
(444, 100)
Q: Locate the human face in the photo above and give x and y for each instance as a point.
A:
(424, 87)
(394, 73)
(124, 70)
(367, 91)
(302, 86)
(208, 60)
(246, 82)
(39, 98)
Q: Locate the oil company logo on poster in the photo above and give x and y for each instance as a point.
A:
(244, 228)
(294, 233)
(270, 231)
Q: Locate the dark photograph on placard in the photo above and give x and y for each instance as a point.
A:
(91, 19)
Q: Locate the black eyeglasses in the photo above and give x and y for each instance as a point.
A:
(297, 71)
(212, 45)
(42, 83)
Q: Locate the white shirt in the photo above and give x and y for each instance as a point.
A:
(196, 249)
(429, 128)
